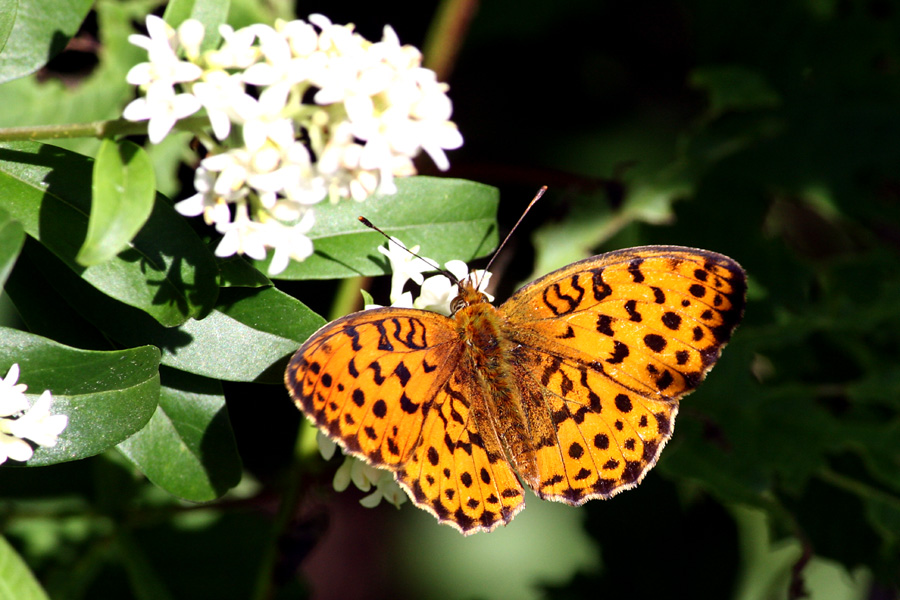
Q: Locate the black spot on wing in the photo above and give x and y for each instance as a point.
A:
(561, 303)
(671, 320)
(633, 314)
(379, 408)
(383, 342)
(408, 406)
(634, 268)
(655, 342)
(604, 325)
(620, 352)
(601, 289)
(351, 332)
(376, 372)
(402, 373)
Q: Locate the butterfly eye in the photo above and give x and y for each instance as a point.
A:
(456, 304)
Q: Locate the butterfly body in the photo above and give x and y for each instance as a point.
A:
(572, 385)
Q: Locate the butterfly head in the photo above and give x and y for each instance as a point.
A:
(469, 292)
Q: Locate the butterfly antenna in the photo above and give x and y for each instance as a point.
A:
(446, 273)
(537, 197)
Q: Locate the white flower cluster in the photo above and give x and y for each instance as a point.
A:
(437, 292)
(19, 422)
(322, 112)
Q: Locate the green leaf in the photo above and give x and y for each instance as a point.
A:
(211, 13)
(235, 271)
(16, 580)
(367, 297)
(44, 311)
(41, 31)
(188, 447)
(247, 337)
(167, 272)
(121, 202)
(448, 218)
(8, 11)
(107, 396)
(11, 239)
(734, 87)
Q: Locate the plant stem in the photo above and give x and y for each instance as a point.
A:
(859, 488)
(446, 34)
(348, 297)
(98, 129)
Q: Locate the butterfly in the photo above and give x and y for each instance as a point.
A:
(570, 387)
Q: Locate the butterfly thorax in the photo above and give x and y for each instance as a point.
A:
(478, 326)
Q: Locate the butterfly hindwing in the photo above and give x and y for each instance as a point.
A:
(458, 472)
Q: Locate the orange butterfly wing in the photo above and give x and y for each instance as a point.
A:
(605, 348)
(386, 386)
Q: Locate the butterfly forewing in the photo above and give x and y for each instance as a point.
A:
(369, 379)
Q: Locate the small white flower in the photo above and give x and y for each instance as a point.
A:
(231, 170)
(163, 107)
(280, 70)
(301, 37)
(237, 50)
(438, 137)
(289, 242)
(356, 471)
(242, 236)
(164, 65)
(364, 475)
(404, 266)
(12, 394)
(327, 447)
(212, 206)
(19, 422)
(391, 490)
(342, 477)
(386, 488)
(161, 38)
(225, 100)
(37, 424)
(405, 300)
(190, 36)
(13, 447)
(437, 294)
